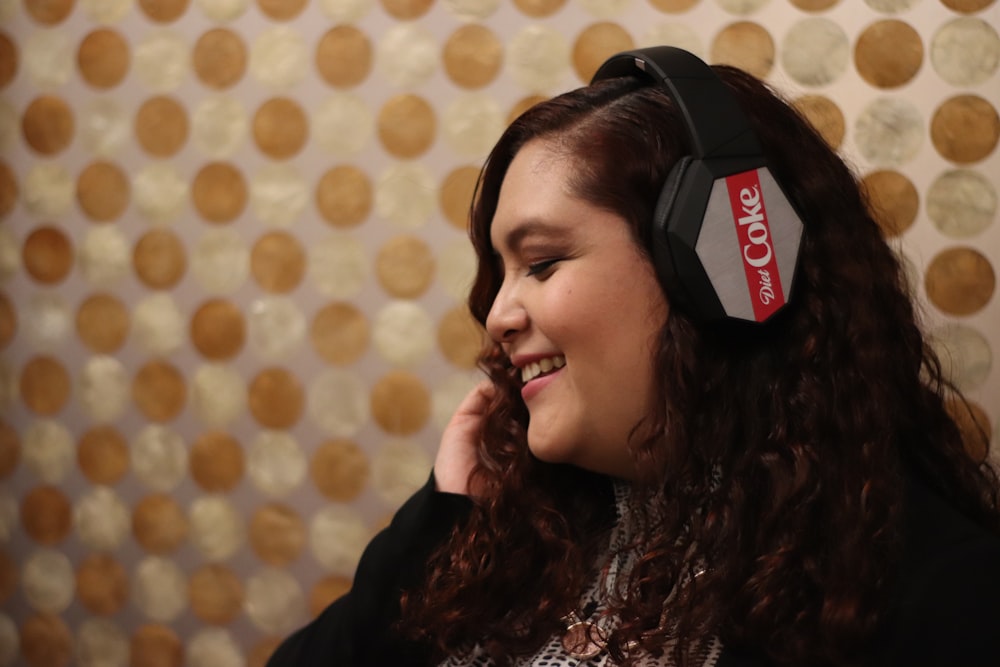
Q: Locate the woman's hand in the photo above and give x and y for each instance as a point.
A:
(458, 452)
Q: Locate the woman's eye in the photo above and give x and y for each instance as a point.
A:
(538, 268)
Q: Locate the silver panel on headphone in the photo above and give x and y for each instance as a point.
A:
(718, 246)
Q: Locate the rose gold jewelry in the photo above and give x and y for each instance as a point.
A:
(582, 640)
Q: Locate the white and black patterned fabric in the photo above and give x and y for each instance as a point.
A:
(620, 560)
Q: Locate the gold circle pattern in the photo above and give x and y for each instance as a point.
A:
(102, 323)
(219, 58)
(8, 60)
(888, 53)
(102, 584)
(159, 258)
(340, 333)
(344, 56)
(161, 126)
(407, 125)
(280, 128)
(342, 187)
(216, 461)
(48, 124)
(965, 128)
(103, 58)
(960, 281)
(103, 455)
(219, 192)
(344, 196)
(102, 190)
(895, 200)
(472, 56)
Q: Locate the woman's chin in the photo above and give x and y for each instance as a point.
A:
(549, 452)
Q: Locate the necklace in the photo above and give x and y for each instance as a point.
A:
(583, 638)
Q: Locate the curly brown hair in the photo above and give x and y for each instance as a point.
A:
(777, 457)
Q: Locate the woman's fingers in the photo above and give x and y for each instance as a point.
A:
(458, 452)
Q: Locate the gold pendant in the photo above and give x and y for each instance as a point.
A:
(579, 640)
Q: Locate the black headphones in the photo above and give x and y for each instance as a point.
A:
(726, 238)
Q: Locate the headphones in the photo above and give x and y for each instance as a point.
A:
(726, 239)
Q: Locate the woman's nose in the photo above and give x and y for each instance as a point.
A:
(507, 316)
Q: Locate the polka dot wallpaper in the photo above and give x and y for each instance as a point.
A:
(233, 263)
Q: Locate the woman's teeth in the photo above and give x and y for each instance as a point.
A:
(536, 368)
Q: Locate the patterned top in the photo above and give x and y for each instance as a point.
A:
(594, 600)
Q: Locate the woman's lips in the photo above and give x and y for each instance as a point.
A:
(532, 387)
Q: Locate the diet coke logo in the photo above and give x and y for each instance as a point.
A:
(754, 234)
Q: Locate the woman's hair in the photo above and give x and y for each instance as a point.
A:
(775, 458)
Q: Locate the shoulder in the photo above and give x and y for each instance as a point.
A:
(359, 629)
(945, 609)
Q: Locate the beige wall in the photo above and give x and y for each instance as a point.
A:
(232, 266)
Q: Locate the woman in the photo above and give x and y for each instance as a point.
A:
(639, 483)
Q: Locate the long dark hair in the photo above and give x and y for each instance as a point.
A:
(777, 459)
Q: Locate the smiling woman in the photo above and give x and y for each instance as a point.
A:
(587, 377)
(712, 432)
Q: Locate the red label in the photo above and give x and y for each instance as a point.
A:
(756, 248)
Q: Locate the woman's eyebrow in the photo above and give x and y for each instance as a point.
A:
(515, 238)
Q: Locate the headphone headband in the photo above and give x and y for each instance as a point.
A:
(718, 127)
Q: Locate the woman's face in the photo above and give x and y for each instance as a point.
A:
(578, 313)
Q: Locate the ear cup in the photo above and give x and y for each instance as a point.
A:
(676, 228)
(726, 238)
(735, 241)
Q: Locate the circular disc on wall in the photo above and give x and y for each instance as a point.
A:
(340, 470)
(155, 645)
(344, 56)
(102, 584)
(103, 58)
(218, 330)
(895, 200)
(888, 53)
(102, 455)
(280, 128)
(405, 266)
(158, 524)
(219, 58)
(163, 11)
(160, 259)
(407, 125)
(276, 398)
(102, 323)
(161, 126)
(277, 534)
(216, 461)
(278, 262)
(473, 56)
(10, 449)
(159, 390)
(216, 594)
(344, 196)
(102, 190)
(960, 281)
(46, 641)
(340, 333)
(824, 115)
(45, 385)
(965, 128)
(46, 515)
(400, 403)
(595, 44)
(746, 45)
(48, 254)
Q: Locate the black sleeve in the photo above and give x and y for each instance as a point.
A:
(357, 629)
(947, 607)
(951, 614)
